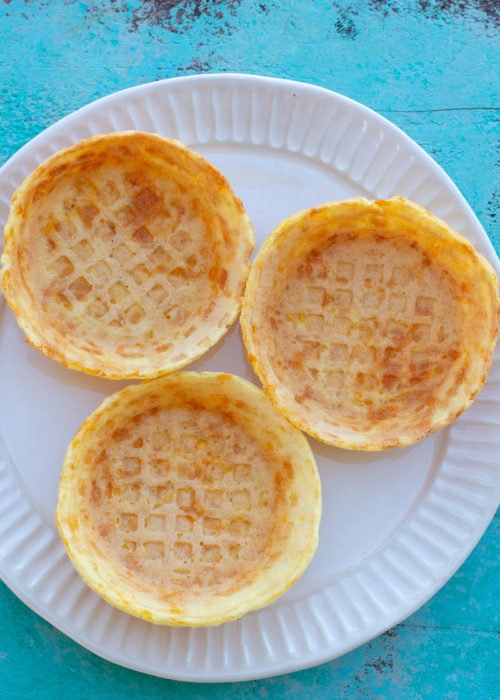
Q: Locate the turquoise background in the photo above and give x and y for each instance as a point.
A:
(429, 66)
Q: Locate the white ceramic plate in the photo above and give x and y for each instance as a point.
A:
(395, 526)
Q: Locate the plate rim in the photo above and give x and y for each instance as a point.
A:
(245, 77)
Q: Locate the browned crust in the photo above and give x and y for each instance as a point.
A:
(125, 255)
(370, 323)
(189, 499)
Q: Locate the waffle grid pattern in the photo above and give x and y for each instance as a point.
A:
(353, 331)
(191, 511)
(115, 264)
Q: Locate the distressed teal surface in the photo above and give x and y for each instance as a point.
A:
(431, 67)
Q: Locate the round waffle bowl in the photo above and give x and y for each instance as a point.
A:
(125, 255)
(189, 499)
(370, 323)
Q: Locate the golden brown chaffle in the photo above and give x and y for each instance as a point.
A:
(189, 499)
(370, 323)
(125, 255)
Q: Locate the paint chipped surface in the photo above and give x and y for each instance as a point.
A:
(180, 16)
(345, 24)
(485, 11)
